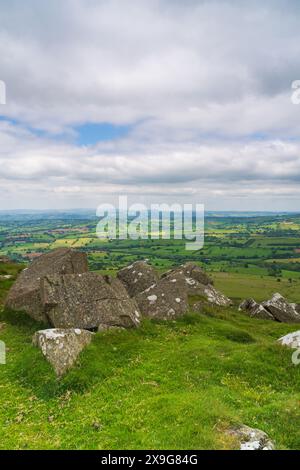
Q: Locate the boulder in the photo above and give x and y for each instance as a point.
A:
(137, 277)
(255, 310)
(194, 281)
(292, 340)
(25, 293)
(282, 310)
(86, 301)
(165, 300)
(191, 272)
(251, 438)
(216, 297)
(62, 347)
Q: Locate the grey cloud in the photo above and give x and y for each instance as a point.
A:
(200, 81)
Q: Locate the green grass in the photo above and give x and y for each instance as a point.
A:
(175, 385)
(239, 286)
(164, 386)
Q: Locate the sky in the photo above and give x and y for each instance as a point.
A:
(161, 100)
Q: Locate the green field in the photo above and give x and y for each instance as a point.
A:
(176, 385)
(265, 245)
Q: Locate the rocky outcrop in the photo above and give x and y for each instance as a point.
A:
(282, 310)
(164, 300)
(86, 301)
(251, 438)
(190, 272)
(25, 293)
(292, 340)
(255, 310)
(58, 289)
(137, 277)
(167, 297)
(277, 309)
(192, 279)
(61, 347)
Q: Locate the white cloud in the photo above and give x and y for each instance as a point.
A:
(199, 81)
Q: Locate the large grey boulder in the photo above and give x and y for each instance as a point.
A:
(86, 301)
(291, 340)
(165, 300)
(191, 272)
(25, 293)
(137, 277)
(282, 310)
(251, 438)
(255, 310)
(195, 282)
(62, 347)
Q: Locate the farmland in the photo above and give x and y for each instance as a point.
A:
(254, 245)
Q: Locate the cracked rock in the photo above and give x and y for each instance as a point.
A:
(86, 301)
(25, 293)
(255, 310)
(137, 277)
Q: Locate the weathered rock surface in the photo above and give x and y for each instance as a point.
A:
(86, 301)
(255, 310)
(216, 297)
(164, 300)
(61, 347)
(25, 293)
(103, 327)
(194, 281)
(192, 272)
(277, 309)
(292, 340)
(251, 439)
(137, 277)
(167, 297)
(282, 310)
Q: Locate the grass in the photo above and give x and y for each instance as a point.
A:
(175, 385)
(239, 286)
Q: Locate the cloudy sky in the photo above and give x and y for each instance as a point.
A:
(162, 100)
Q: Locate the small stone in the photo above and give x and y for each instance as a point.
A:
(61, 347)
(292, 340)
(251, 438)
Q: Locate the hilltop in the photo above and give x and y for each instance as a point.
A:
(164, 385)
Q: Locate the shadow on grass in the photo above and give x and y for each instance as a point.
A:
(21, 319)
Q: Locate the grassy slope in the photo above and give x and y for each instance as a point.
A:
(175, 385)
